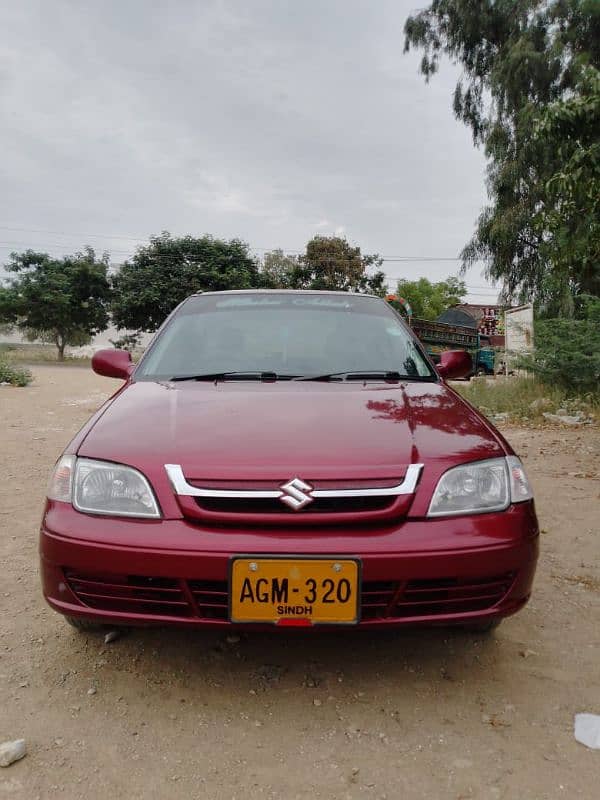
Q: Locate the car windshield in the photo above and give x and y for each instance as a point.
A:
(284, 336)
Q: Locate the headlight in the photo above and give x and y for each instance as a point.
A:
(480, 487)
(520, 488)
(100, 487)
(61, 480)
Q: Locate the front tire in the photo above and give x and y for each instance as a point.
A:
(85, 625)
(482, 627)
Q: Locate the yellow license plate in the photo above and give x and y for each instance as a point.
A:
(279, 590)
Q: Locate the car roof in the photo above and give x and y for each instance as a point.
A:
(338, 293)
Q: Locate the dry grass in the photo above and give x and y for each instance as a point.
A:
(525, 399)
(46, 354)
(38, 354)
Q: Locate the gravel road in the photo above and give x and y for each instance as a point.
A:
(411, 714)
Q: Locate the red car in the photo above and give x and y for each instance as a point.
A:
(287, 459)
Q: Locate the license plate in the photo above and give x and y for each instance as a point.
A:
(279, 590)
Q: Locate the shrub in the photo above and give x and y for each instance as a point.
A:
(16, 376)
(567, 351)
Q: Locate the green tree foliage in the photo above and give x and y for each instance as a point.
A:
(529, 93)
(568, 223)
(331, 263)
(567, 351)
(163, 273)
(427, 299)
(63, 301)
(278, 269)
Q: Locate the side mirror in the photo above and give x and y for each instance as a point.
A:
(113, 363)
(455, 364)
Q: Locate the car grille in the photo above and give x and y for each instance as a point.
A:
(260, 511)
(208, 600)
(428, 598)
(325, 505)
(135, 594)
(155, 597)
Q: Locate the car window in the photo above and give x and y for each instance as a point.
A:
(283, 333)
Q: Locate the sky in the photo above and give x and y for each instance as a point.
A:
(266, 120)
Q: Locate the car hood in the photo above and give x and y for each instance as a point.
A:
(235, 431)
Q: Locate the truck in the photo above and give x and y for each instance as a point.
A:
(439, 336)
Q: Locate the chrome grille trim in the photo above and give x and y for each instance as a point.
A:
(185, 489)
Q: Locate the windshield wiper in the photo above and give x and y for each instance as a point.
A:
(390, 376)
(236, 376)
(365, 375)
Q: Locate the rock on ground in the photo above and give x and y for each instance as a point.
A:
(12, 751)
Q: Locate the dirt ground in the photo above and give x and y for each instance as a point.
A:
(412, 714)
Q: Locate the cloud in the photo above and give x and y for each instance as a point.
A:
(233, 118)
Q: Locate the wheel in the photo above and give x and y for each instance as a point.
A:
(82, 624)
(482, 627)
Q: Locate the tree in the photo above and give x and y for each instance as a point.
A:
(569, 222)
(567, 351)
(278, 269)
(64, 301)
(331, 263)
(522, 60)
(427, 299)
(163, 273)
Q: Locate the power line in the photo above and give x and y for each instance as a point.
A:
(73, 235)
(146, 239)
(139, 239)
(385, 259)
(174, 257)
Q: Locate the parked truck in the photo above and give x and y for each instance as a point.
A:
(439, 336)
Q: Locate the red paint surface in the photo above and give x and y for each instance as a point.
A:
(274, 432)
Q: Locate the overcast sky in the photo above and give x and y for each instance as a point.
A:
(269, 120)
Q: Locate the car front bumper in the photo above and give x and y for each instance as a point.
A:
(143, 572)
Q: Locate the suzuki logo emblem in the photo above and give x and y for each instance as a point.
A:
(296, 494)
